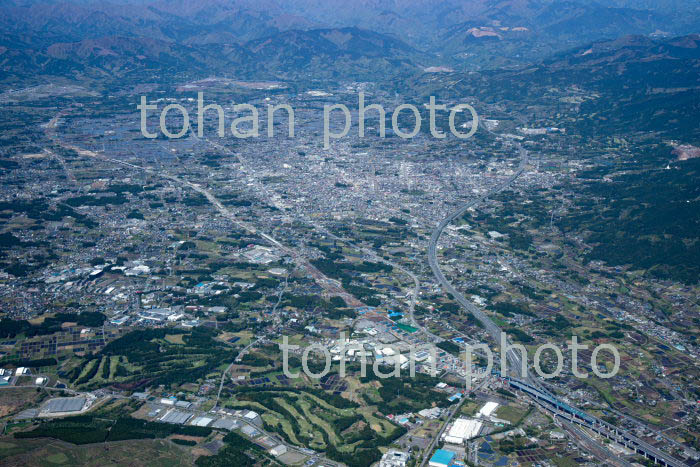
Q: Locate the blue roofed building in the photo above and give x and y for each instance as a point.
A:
(441, 458)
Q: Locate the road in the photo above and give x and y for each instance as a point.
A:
(572, 416)
(584, 440)
(221, 383)
(430, 448)
(513, 357)
(62, 161)
(279, 297)
(45, 388)
(494, 330)
(490, 326)
(300, 261)
(373, 256)
(238, 358)
(245, 349)
(661, 433)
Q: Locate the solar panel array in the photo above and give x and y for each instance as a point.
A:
(65, 404)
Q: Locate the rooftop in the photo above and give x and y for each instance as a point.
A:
(65, 404)
(442, 457)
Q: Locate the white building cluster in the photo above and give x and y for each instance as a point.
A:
(462, 430)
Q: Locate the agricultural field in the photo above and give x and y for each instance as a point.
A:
(512, 413)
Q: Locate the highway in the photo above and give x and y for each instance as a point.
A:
(536, 390)
(661, 433)
(570, 415)
(513, 358)
(490, 326)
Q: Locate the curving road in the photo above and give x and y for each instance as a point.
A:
(493, 329)
(513, 357)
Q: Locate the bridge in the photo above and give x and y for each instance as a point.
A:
(563, 410)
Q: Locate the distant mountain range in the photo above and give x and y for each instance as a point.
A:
(347, 53)
(625, 85)
(360, 39)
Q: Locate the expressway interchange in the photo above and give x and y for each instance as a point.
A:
(571, 417)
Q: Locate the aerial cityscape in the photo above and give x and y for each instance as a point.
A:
(364, 233)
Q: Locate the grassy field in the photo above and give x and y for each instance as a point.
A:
(510, 413)
(305, 419)
(470, 408)
(13, 400)
(49, 453)
(171, 358)
(174, 339)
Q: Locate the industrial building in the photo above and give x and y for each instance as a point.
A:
(202, 421)
(183, 404)
(441, 458)
(394, 458)
(65, 404)
(462, 430)
(488, 409)
(251, 415)
(176, 417)
(431, 413)
(278, 450)
(226, 424)
(250, 431)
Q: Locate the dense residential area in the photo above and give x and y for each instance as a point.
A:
(362, 287)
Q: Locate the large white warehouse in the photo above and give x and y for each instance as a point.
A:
(463, 430)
